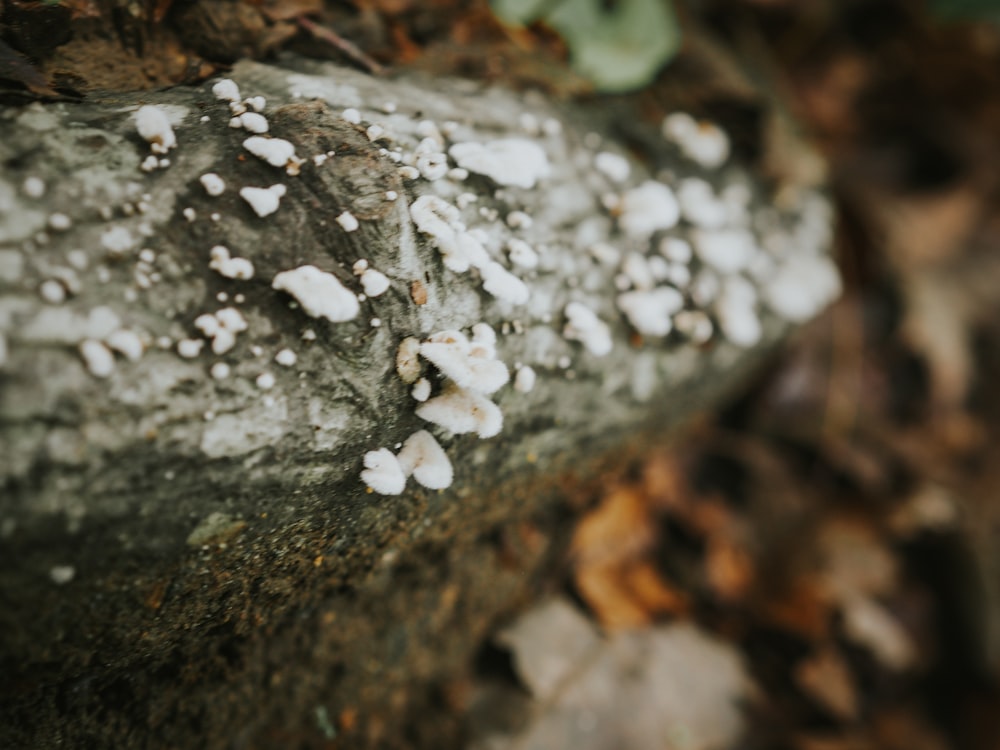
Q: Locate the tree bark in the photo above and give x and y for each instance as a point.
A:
(188, 558)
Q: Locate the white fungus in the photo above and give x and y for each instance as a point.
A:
(127, 343)
(320, 294)
(421, 390)
(583, 325)
(701, 141)
(650, 312)
(375, 283)
(676, 250)
(52, 292)
(647, 209)
(189, 348)
(97, 357)
(517, 162)
(117, 240)
(524, 380)
(265, 381)
(253, 122)
(461, 411)
(220, 371)
(347, 221)
(383, 473)
(374, 132)
(694, 324)
(154, 127)
(519, 220)
(425, 460)
(613, 166)
(351, 115)
(226, 90)
(451, 353)
(231, 268)
(521, 253)
(735, 309)
(212, 183)
(408, 359)
(222, 328)
(726, 250)
(60, 222)
(286, 358)
(62, 574)
(263, 201)
(802, 286)
(33, 187)
(275, 151)
(700, 205)
(504, 285)
(257, 103)
(459, 248)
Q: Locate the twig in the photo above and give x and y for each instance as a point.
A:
(345, 46)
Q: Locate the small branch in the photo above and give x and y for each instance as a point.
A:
(349, 48)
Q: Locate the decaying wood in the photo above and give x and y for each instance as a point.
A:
(185, 556)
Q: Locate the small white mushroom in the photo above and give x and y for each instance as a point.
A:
(231, 268)
(275, 151)
(424, 459)
(212, 183)
(375, 283)
(320, 294)
(462, 411)
(347, 221)
(583, 325)
(650, 312)
(504, 285)
(98, 358)
(226, 90)
(154, 127)
(408, 360)
(263, 201)
(648, 208)
(383, 473)
(517, 162)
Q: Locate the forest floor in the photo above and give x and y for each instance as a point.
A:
(824, 550)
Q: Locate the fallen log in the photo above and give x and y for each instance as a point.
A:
(294, 365)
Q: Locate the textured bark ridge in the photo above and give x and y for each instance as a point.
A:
(188, 548)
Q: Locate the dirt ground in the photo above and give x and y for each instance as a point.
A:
(836, 527)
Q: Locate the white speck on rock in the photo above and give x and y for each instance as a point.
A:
(648, 208)
(320, 294)
(583, 325)
(383, 473)
(154, 127)
(516, 162)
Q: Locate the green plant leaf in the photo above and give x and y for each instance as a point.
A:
(619, 45)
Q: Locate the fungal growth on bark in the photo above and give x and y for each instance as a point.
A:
(320, 305)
